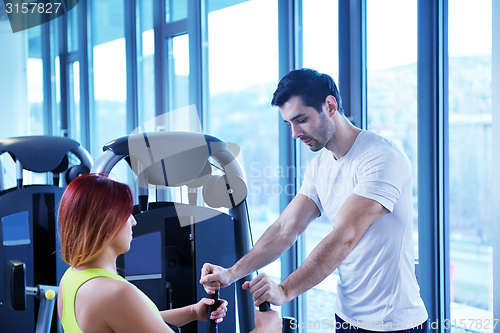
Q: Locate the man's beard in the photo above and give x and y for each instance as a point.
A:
(324, 135)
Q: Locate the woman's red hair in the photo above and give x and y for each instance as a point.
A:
(93, 208)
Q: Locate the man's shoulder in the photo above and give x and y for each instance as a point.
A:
(375, 144)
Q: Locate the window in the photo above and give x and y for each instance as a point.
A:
(73, 36)
(178, 69)
(175, 10)
(470, 159)
(145, 61)
(391, 40)
(13, 86)
(108, 113)
(320, 52)
(37, 121)
(74, 115)
(243, 74)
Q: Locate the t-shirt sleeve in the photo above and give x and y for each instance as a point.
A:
(382, 175)
(308, 187)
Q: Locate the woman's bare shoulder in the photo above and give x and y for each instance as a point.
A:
(117, 305)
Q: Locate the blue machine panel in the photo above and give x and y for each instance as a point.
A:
(16, 229)
(144, 256)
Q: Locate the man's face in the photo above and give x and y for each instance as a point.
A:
(313, 128)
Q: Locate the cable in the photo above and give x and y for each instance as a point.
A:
(246, 208)
(249, 224)
(215, 166)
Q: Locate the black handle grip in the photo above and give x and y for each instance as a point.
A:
(211, 324)
(288, 324)
(264, 307)
(15, 285)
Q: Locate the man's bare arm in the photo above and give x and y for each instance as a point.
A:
(278, 237)
(355, 216)
(273, 243)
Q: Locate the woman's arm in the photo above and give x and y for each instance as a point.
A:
(198, 311)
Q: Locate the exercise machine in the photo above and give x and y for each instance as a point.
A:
(28, 235)
(16, 292)
(173, 240)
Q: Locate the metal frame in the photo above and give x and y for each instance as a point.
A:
(495, 93)
(287, 145)
(197, 27)
(47, 84)
(352, 60)
(86, 80)
(53, 53)
(433, 180)
(161, 98)
(130, 11)
(63, 72)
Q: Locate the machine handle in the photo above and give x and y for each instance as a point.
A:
(15, 285)
(211, 324)
(287, 325)
(264, 307)
(286, 321)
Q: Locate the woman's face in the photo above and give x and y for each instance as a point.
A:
(124, 236)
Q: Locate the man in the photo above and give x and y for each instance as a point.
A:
(363, 184)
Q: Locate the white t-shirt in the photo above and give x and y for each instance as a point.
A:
(377, 289)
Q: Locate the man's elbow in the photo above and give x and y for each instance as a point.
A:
(349, 241)
(287, 237)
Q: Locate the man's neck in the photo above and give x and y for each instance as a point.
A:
(345, 136)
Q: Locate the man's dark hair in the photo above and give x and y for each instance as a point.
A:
(311, 86)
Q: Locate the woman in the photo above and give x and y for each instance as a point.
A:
(96, 227)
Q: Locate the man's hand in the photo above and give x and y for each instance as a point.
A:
(264, 289)
(214, 277)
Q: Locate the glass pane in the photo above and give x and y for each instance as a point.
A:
(72, 16)
(175, 10)
(35, 83)
(317, 23)
(145, 61)
(56, 82)
(178, 61)
(243, 74)
(319, 19)
(470, 135)
(108, 114)
(57, 110)
(180, 115)
(392, 79)
(74, 116)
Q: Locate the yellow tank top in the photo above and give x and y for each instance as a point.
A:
(72, 281)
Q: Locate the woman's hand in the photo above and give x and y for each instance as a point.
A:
(267, 322)
(200, 310)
